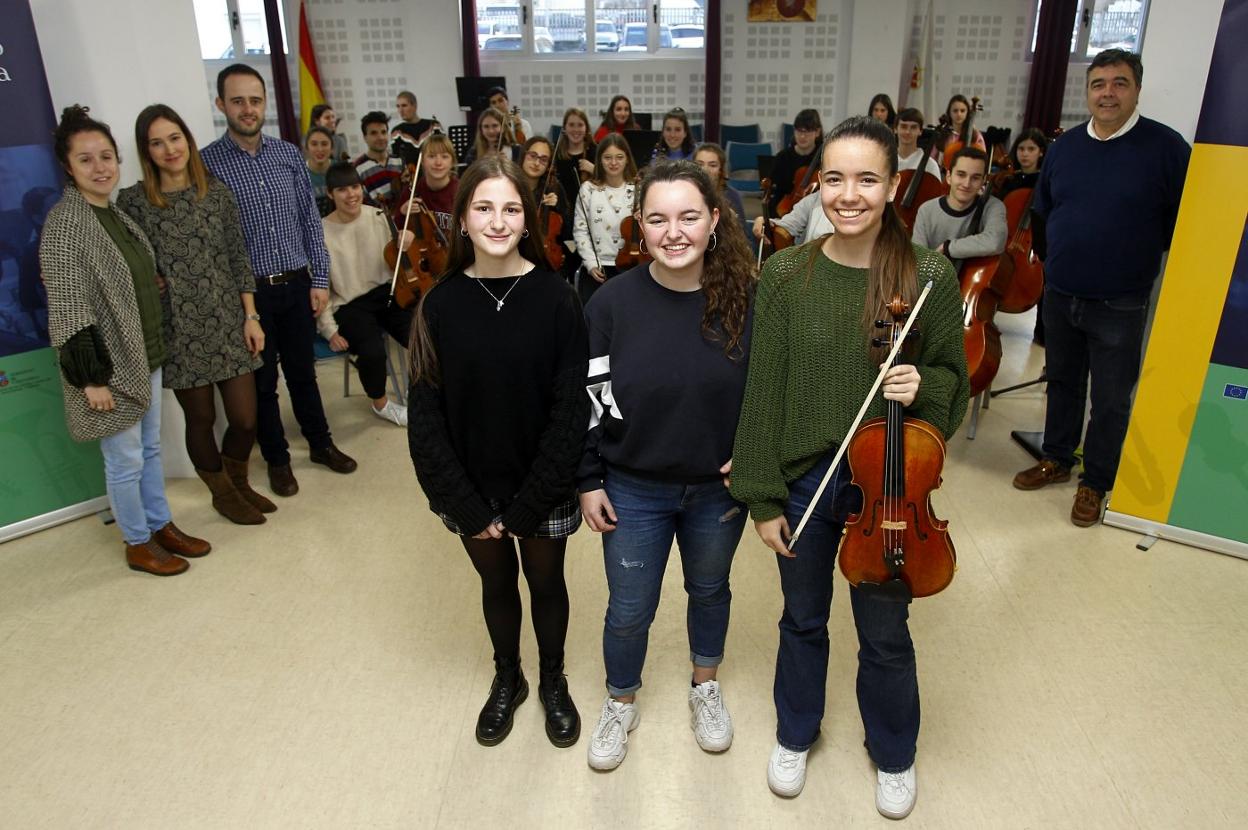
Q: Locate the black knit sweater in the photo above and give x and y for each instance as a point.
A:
(505, 423)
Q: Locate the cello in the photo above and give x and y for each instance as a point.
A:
(774, 236)
(955, 143)
(916, 187)
(896, 547)
(984, 280)
(630, 254)
(1028, 283)
(801, 184)
(416, 269)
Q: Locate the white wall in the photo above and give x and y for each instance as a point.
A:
(107, 56)
(1178, 47)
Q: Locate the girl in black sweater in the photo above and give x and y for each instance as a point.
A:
(496, 420)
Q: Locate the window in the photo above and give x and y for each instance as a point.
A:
(232, 29)
(602, 27)
(1101, 25)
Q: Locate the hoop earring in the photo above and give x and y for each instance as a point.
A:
(714, 242)
(463, 233)
(525, 235)
(641, 246)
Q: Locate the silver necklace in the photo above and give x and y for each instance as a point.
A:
(494, 296)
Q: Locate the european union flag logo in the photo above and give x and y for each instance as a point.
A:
(1233, 391)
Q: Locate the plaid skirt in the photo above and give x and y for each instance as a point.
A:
(560, 524)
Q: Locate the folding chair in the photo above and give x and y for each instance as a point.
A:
(743, 175)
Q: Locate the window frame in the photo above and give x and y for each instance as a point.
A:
(1082, 33)
(528, 25)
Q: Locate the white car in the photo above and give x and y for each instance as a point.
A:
(635, 37)
(515, 43)
(606, 39)
(688, 36)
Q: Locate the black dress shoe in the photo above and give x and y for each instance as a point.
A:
(334, 458)
(282, 480)
(507, 692)
(563, 722)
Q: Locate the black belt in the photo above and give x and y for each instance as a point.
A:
(284, 276)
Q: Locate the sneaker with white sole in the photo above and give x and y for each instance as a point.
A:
(786, 774)
(709, 718)
(895, 792)
(609, 743)
(395, 413)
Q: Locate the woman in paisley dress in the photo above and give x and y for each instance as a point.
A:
(212, 330)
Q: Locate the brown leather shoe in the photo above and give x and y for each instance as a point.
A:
(1087, 508)
(282, 480)
(151, 558)
(334, 458)
(175, 541)
(237, 471)
(1044, 473)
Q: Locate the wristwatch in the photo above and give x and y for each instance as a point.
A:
(255, 317)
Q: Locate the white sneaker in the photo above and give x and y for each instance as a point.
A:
(609, 743)
(895, 792)
(786, 774)
(709, 718)
(395, 413)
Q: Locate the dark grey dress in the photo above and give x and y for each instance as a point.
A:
(202, 256)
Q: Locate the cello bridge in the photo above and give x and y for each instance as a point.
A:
(887, 525)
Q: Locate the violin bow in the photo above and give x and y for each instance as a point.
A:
(589, 226)
(407, 216)
(875, 387)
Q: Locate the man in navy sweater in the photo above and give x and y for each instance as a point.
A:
(1105, 208)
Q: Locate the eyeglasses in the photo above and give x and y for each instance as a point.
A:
(532, 156)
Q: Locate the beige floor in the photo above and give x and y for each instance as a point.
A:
(325, 671)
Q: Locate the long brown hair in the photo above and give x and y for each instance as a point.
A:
(462, 254)
(505, 136)
(893, 268)
(727, 267)
(561, 152)
(617, 141)
(151, 175)
(608, 117)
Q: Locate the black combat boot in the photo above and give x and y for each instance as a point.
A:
(563, 722)
(507, 692)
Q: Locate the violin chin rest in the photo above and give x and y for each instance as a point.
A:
(890, 590)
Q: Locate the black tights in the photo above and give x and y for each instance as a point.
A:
(542, 560)
(198, 404)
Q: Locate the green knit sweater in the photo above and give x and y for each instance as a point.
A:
(810, 370)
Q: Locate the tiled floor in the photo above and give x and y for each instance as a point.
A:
(325, 670)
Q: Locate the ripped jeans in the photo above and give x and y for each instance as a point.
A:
(706, 523)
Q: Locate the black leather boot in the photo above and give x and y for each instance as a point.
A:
(563, 722)
(507, 692)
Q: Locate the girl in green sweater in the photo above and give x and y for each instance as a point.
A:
(812, 363)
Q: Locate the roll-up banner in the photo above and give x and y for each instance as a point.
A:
(45, 477)
(1184, 471)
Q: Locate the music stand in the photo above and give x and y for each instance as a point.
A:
(644, 120)
(641, 145)
(474, 93)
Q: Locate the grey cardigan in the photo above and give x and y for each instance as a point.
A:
(89, 284)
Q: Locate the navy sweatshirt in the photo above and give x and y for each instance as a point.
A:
(1109, 208)
(665, 398)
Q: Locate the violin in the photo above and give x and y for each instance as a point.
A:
(417, 268)
(984, 281)
(896, 547)
(953, 141)
(774, 236)
(801, 185)
(631, 254)
(551, 220)
(916, 186)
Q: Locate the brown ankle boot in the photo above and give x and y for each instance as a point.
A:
(227, 501)
(151, 558)
(237, 471)
(174, 540)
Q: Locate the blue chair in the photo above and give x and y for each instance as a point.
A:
(743, 175)
(748, 133)
(395, 369)
(786, 135)
(695, 130)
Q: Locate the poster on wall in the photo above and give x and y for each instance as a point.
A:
(45, 476)
(782, 11)
(1184, 471)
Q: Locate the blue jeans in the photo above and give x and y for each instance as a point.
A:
(706, 523)
(1102, 338)
(134, 477)
(888, 686)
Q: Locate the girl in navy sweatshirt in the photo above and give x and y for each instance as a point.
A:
(669, 343)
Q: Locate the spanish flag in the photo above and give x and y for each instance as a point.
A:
(310, 91)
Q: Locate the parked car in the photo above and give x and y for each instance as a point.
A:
(635, 37)
(542, 42)
(606, 39)
(688, 36)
